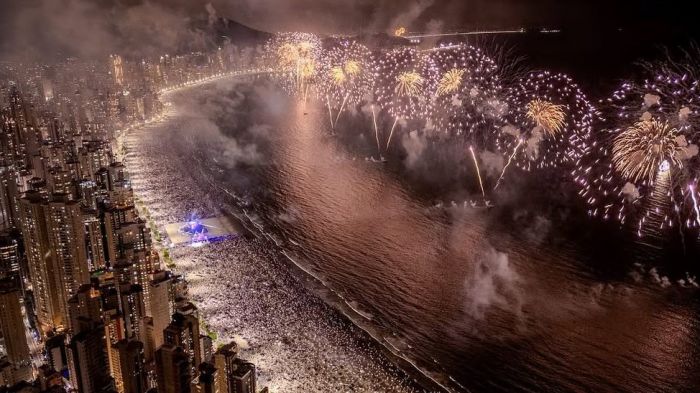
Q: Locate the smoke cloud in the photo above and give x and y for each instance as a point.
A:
(42, 30)
(147, 27)
(492, 163)
(229, 120)
(409, 16)
(414, 144)
(651, 100)
(630, 191)
(493, 283)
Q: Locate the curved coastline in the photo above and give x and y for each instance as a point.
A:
(314, 285)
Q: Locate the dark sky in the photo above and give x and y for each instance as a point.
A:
(93, 27)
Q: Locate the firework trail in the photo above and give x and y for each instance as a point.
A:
(478, 173)
(376, 131)
(330, 112)
(391, 132)
(510, 160)
(691, 191)
(645, 169)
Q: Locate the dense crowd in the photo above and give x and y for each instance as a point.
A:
(244, 289)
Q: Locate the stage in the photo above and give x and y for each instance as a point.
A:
(217, 228)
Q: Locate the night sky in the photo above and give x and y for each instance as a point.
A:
(92, 27)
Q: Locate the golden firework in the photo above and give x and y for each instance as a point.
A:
(305, 48)
(408, 84)
(288, 55)
(547, 115)
(641, 150)
(338, 75)
(307, 69)
(352, 67)
(400, 31)
(450, 81)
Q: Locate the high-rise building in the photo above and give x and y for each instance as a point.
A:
(120, 231)
(9, 256)
(206, 380)
(224, 359)
(242, 378)
(160, 306)
(183, 331)
(89, 367)
(93, 156)
(54, 241)
(128, 367)
(94, 242)
(206, 344)
(85, 309)
(9, 193)
(117, 68)
(67, 240)
(57, 354)
(173, 369)
(11, 375)
(12, 323)
(132, 310)
(88, 359)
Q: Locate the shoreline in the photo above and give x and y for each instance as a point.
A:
(342, 307)
(156, 200)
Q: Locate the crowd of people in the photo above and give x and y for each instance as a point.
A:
(243, 287)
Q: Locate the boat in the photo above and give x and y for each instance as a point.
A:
(484, 204)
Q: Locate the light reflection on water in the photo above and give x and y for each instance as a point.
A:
(492, 310)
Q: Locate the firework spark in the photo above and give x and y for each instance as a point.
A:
(691, 190)
(640, 150)
(547, 115)
(398, 84)
(551, 117)
(338, 75)
(399, 87)
(295, 56)
(505, 167)
(646, 165)
(463, 84)
(450, 81)
(376, 130)
(352, 67)
(342, 77)
(409, 84)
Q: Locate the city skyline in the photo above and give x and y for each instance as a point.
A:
(371, 196)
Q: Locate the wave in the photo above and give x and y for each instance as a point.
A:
(395, 347)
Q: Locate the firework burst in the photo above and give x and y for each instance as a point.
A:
(450, 82)
(549, 122)
(645, 170)
(465, 90)
(548, 116)
(344, 76)
(408, 84)
(400, 86)
(639, 151)
(295, 57)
